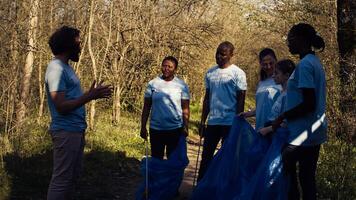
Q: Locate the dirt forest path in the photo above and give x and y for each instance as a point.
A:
(187, 183)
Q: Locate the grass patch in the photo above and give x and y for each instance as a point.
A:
(111, 160)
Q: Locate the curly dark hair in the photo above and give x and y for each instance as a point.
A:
(63, 39)
(227, 44)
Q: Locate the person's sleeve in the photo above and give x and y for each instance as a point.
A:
(56, 78)
(149, 90)
(306, 75)
(185, 92)
(241, 82)
(206, 81)
(274, 94)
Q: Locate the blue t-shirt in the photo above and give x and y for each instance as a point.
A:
(279, 107)
(61, 77)
(166, 110)
(266, 94)
(311, 129)
(223, 84)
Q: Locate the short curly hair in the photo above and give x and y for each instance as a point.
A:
(227, 44)
(173, 59)
(63, 39)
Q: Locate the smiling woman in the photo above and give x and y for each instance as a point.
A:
(169, 67)
(267, 90)
(167, 100)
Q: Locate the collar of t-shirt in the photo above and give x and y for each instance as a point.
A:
(161, 76)
(304, 54)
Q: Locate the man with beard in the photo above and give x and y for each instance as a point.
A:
(66, 104)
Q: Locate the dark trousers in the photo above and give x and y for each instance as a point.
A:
(307, 158)
(212, 135)
(164, 139)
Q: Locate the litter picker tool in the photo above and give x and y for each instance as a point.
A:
(196, 164)
(146, 154)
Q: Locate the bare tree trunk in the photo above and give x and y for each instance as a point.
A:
(94, 67)
(28, 68)
(346, 37)
(108, 40)
(10, 107)
(41, 87)
(116, 104)
(118, 73)
(11, 103)
(116, 95)
(346, 12)
(41, 84)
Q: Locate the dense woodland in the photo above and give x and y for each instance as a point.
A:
(123, 43)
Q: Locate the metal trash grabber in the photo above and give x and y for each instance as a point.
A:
(196, 164)
(146, 153)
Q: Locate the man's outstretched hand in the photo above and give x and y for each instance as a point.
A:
(99, 91)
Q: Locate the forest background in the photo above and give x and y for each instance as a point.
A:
(123, 43)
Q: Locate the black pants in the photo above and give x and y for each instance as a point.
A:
(212, 135)
(164, 139)
(307, 158)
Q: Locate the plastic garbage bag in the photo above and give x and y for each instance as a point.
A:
(247, 164)
(164, 176)
(269, 181)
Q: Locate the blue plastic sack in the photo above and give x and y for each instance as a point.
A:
(247, 164)
(164, 176)
(270, 181)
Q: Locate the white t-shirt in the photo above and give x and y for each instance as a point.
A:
(266, 94)
(223, 85)
(166, 110)
(311, 129)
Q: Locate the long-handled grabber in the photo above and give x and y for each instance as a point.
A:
(146, 154)
(196, 164)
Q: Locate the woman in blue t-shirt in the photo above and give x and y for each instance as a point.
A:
(267, 90)
(167, 99)
(305, 111)
(282, 72)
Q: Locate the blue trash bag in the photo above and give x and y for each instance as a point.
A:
(164, 176)
(269, 181)
(238, 165)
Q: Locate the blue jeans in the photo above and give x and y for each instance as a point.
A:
(212, 135)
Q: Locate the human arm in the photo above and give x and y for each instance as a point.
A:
(265, 130)
(186, 114)
(205, 112)
(240, 95)
(64, 106)
(144, 116)
(303, 78)
(250, 113)
(307, 106)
